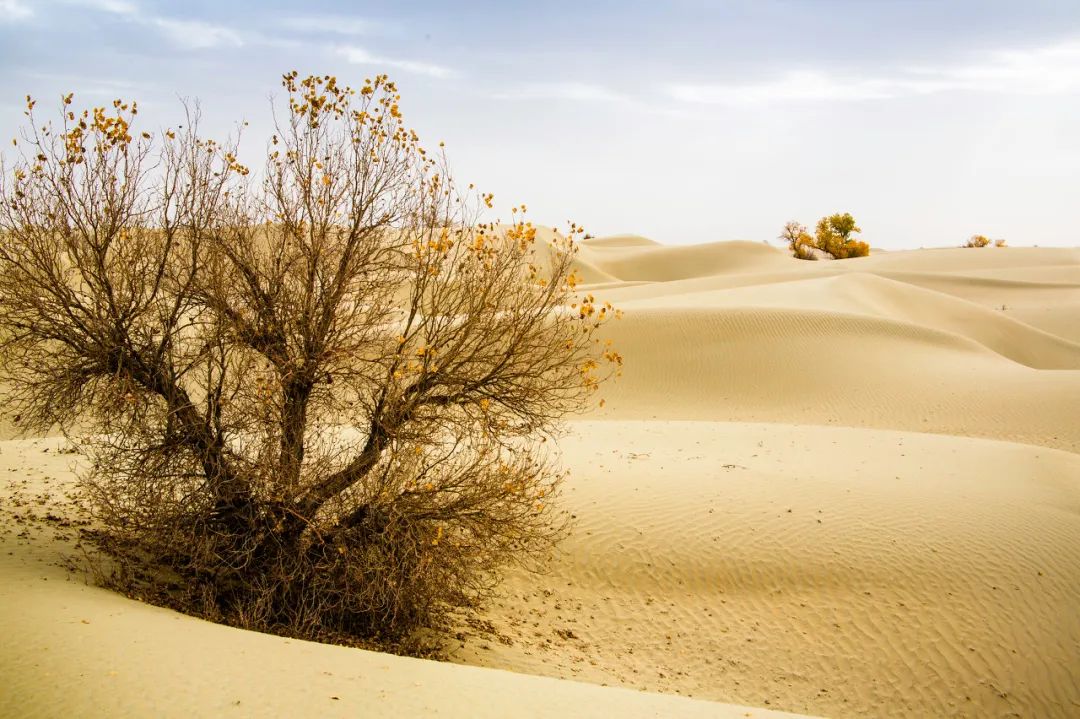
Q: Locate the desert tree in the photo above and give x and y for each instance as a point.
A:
(984, 241)
(316, 398)
(798, 240)
(834, 235)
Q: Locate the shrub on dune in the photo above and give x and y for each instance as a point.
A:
(315, 402)
(798, 240)
(983, 241)
(832, 236)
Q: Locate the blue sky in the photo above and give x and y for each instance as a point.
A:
(686, 121)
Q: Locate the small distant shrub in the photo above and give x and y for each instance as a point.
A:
(799, 240)
(833, 236)
(983, 241)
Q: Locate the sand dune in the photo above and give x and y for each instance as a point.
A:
(875, 296)
(833, 571)
(782, 365)
(962, 259)
(618, 241)
(72, 650)
(855, 343)
(1053, 305)
(847, 489)
(659, 263)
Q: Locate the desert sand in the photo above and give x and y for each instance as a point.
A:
(845, 489)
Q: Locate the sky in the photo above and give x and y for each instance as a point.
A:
(685, 121)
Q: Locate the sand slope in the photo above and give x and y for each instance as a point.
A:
(831, 571)
(631, 262)
(906, 340)
(75, 651)
(72, 650)
(847, 489)
(841, 572)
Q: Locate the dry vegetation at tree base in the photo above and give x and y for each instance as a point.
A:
(206, 332)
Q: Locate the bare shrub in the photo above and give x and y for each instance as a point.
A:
(316, 401)
(799, 241)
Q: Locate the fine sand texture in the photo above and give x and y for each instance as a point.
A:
(844, 489)
(833, 571)
(73, 650)
(939, 341)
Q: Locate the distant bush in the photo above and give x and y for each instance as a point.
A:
(983, 241)
(833, 236)
(799, 240)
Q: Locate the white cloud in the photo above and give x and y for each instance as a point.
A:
(579, 91)
(115, 7)
(359, 56)
(274, 41)
(185, 34)
(14, 10)
(196, 34)
(586, 92)
(331, 24)
(793, 86)
(1049, 70)
(92, 85)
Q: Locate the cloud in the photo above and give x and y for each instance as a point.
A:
(586, 92)
(196, 34)
(1049, 70)
(274, 41)
(77, 80)
(331, 24)
(792, 86)
(185, 34)
(114, 7)
(14, 11)
(579, 91)
(359, 56)
(95, 86)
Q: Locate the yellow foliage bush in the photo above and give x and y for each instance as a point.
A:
(833, 235)
(983, 241)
